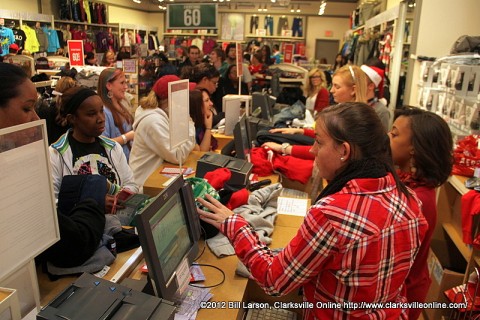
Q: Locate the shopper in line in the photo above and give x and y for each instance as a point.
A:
(83, 150)
(112, 87)
(421, 144)
(108, 59)
(152, 133)
(217, 59)
(354, 245)
(202, 116)
(56, 124)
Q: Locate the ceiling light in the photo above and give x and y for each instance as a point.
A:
(321, 10)
(292, 9)
(298, 8)
(265, 8)
(259, 8)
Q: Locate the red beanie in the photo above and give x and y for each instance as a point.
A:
(218, 177)
(161, 86)
(238, 198)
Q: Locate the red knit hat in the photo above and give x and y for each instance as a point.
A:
(294, 168)
(218, 177)
(161, 86)
(261, 165)
(377, 76)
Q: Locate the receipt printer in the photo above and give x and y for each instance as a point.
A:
(90, 297)
(241, 169)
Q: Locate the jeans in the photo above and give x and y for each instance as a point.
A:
(297, 27)
(269, 24)
(253, 24)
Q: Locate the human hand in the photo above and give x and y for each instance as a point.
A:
(208, 119)
(273, 146)
(218, 212)
(287, 130)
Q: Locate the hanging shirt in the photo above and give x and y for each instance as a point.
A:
(6, 39)
(31, 44)
(52, 37)
(20, 37)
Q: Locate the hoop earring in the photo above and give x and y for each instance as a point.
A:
(110, 94)
(413, 169)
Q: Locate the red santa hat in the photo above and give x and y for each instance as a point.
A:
(377, 76)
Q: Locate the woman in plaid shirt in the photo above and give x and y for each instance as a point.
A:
(360, 238)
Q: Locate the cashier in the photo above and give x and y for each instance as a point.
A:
(360, 238)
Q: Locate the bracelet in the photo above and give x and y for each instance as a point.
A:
(124, 137)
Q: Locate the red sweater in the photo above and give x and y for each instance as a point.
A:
(322, 101)
(418, 280)
(303, 152)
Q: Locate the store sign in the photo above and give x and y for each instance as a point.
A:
(191, 16)
(75, 53)
(288, 53)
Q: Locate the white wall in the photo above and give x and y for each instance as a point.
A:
(316, 27)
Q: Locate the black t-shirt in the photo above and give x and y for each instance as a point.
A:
(91, 158)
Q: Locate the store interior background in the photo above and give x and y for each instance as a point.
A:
(436, 23)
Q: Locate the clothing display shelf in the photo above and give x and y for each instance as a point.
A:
(450, 87)
(79, 23)
(454, 260)
(283, 38)
(24, 17)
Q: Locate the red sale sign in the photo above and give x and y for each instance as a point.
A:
(75, 53)
(288, 53)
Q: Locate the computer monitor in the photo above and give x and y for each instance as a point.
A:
(169, 230)
(242, 138)
(265, 102)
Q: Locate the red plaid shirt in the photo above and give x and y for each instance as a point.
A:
(354, 246)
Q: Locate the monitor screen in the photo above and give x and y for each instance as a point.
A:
(242, 138)
(265, 102)
(170, 235)
(169, 230)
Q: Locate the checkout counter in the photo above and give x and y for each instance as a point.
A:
(233, 289)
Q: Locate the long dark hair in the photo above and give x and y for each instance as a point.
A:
(432, 143)
(358, 124)
(196, 107)
(11, 78)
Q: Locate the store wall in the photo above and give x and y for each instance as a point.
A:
(317, 28)
(131, 16)
(440, 23)
(21, 5)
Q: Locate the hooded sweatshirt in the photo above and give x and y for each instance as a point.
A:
(152, 143)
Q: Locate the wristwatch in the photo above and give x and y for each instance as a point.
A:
(285, 145)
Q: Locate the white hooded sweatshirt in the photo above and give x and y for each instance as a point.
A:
(152, 143)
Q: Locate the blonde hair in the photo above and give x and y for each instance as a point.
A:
(354, 76)
(62, 85)
(151, 101)
(311, 90)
